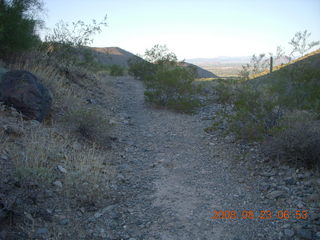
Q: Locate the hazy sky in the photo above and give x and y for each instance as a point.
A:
(197, 28)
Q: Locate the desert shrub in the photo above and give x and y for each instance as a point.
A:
(18, 25)
(66, 41)
(116, 70)
(167, 83)
(172, 87)
(185, 104)
(298, 88)
(257, 107)
(224, 90)
(89, 123)
(254, 116)
(298, 141)
(253, 113)
(140, 69)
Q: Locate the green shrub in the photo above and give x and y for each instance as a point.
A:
(172, 87)
(116, 70)
(224, 91)
(167, 83)
(298, 88)
(140, 69)
(253, 113)
(17, 28)
(257, 107)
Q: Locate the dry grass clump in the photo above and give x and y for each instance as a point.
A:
(298, 141)
(90, 123)
(44, 147)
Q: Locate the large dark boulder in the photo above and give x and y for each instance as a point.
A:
(22, 90)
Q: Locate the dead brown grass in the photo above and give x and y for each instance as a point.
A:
(45, 146)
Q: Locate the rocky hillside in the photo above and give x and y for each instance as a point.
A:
(113, 55)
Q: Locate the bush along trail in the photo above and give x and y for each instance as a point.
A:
(175, 181)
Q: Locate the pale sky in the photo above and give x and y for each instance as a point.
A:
(193, 28)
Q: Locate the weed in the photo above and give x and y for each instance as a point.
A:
(90, 123)
(298, 141)
(116, 70)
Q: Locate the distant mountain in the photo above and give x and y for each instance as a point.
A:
(113, 55)
(218, 60)
(119, 56)
(201, 73)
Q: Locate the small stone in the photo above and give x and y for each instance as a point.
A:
(42, 231)
(112, 121)
(318, 235)
(287, 225)
(29, 216)
(4, 157)
(76, 146)
(121, 178)
(57, 183)
(300, 205)
(289, 181)
(62, 169)
(82, 210)
(229, 138)
(275, 194)
(64, 221)
(104, 211)
(288, 232)
(211, 144)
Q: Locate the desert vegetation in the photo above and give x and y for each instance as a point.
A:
(280, 109)
(66, 154)
(63, 162)
(167, 83)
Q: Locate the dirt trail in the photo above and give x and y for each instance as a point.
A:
(174, 176)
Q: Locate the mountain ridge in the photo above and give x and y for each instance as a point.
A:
(119, 56)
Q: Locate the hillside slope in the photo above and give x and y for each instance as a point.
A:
(113, 55)
(294, 68)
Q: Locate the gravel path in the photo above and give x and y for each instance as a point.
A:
(174, 175)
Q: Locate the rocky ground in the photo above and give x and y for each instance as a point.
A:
(172, 176)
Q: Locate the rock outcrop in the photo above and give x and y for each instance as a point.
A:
(23, 91)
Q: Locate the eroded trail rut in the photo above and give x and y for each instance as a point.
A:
(174, 175)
